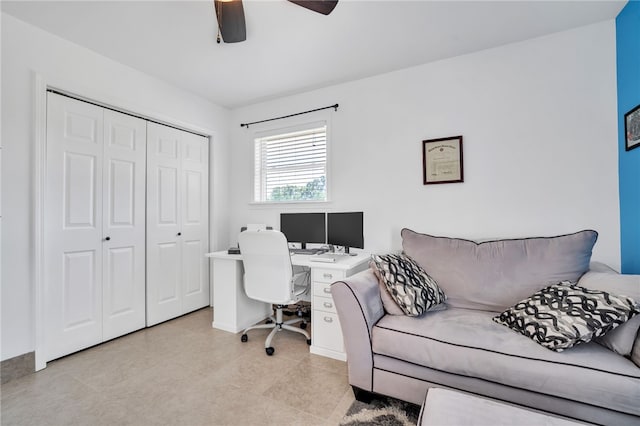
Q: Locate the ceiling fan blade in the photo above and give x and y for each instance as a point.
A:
(230, 14)
(321, 6)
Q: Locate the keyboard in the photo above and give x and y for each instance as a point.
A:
(327, 258)
(304, 251)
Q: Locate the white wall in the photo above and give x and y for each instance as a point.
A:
(540, 157)
(26, 50)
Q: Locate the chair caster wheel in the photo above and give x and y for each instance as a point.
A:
(244, 338)
(269, 351)
(309, 342)
(303, 325)
(268, 321)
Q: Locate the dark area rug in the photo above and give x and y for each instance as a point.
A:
(382, 411)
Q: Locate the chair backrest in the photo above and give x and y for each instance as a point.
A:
(267, 266)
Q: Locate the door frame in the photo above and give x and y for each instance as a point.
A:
(42, 85)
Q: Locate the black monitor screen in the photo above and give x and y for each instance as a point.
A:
(303, 227)
(345, 229)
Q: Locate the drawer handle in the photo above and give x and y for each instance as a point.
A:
(327, 290)
(328, 319)
(325, 275)
(328, 305)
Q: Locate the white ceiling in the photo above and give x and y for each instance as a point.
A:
(290, 49)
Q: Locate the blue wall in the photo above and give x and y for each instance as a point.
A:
(628, 58)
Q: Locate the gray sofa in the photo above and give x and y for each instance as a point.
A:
(462, 348)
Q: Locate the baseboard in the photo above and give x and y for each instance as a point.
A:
(18, 366)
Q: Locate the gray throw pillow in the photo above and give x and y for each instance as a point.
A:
(493, 275)
(622, 338)
(635, 352)
(563, 315)
(413, 290)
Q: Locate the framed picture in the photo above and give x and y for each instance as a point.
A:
(442, 160)
(632, 128)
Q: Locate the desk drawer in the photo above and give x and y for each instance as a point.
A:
(324, 304)
(327, 333)
(327, 275)
(322, 289)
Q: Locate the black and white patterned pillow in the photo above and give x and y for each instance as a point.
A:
(563, 315)
(409, 285)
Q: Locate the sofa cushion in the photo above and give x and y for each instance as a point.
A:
(494, 275)
(622, 338)
(414, 291)
(563, 315)
(468, 343)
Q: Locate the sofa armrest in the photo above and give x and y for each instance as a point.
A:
(359, 307)
(596, 266)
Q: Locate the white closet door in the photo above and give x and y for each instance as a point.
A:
(164, 254)
(124, 196)
(73, 236)
(195, 222)
(177, 222)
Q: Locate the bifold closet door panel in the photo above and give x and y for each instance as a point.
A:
(94, 225)
(73, 236)
(177, 223)
(164, 251)
(123, 289)
(195, 222)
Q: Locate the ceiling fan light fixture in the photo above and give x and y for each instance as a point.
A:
(231, 24)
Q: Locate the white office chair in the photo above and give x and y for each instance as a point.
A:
(268, 277)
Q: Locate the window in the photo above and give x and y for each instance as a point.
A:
(292, 166)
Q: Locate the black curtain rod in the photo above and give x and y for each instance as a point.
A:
(290, 115)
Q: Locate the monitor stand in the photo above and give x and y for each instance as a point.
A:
(346, 251)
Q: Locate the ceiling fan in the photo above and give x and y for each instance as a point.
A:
(230, 14)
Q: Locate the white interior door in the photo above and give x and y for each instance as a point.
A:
(164, 251)
(124, 196)
(73, 236)
(194, 222)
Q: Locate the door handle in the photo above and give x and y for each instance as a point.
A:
(107, 238)
(179, 233)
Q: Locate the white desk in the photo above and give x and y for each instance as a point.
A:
(233, 311)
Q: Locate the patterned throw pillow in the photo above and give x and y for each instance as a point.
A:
(390, 306)
(409, 285)
(563, 315)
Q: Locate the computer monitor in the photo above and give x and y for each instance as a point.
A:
(303, 228)
(345, 229)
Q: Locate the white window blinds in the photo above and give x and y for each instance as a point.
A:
(291, 166)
